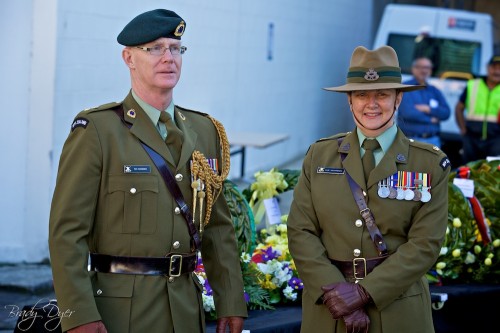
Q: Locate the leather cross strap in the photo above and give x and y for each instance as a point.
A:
(365, 212)
(172, 186)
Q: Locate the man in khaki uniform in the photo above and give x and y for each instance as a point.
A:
(363, 256)
(112, 205)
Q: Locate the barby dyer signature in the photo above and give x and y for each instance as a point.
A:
(44, 309)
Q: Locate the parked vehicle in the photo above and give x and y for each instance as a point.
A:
(459, 43)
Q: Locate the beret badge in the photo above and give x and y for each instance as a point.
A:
(179, 31)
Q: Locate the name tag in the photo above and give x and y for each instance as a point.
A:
(137, 169)
(330, 171)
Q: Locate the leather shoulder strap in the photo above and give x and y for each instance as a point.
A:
(171, 184)
(365, 212)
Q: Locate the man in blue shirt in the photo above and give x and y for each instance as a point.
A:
(421, 111)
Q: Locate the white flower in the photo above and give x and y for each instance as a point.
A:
(289, 293)
(245, 257)
(470, 258)
(443, 251)
(208, 303)
(282, 276)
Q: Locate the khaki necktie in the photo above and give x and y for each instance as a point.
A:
(368, 158)
(174, 136)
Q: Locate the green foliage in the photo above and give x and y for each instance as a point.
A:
(242, 216)
(464, 257)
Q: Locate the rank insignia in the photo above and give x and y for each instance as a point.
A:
(79, 122)
(136, 169)
(183, 117)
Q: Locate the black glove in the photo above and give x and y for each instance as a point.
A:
(342, 298)
(235, 324)
(357, 321)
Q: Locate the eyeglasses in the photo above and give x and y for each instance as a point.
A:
(159, 50)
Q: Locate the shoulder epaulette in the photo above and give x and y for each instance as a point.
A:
(188, 110)
(107, 106)
(334, 137)
(426, 146)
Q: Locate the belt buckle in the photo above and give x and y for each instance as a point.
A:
(355, 262)
(172, 271)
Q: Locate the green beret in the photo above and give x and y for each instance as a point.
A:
(150, 26)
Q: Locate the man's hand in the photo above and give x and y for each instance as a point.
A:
(343, 298)
(357, 322)
(235, 324)
(94, 327)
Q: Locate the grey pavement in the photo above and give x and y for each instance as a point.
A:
(20, 285)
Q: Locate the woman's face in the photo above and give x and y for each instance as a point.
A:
(373, 110)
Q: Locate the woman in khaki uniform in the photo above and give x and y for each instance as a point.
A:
(361, 276)
(111, 202)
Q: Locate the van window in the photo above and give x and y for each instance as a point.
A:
(447, 55)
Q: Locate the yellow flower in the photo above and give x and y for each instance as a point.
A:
(440, 265)
(267, 184)
(457, 223)
(282, 228)
(456, 253)
(477, 249)
(267, 284)
(496, 242)
(487, 262)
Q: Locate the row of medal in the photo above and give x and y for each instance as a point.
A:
(406, 185)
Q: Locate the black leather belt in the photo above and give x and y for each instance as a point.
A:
(358, 268)
(170, 265)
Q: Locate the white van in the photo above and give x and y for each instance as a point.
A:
(459, 43)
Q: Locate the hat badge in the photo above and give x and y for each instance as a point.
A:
(179, 31)
(371, 75)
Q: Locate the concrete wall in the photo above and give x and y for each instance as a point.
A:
(64, 58)
(27, 62)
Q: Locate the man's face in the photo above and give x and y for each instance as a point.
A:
(494, 73)
(373, 110)
(156, 72)
(422, 69)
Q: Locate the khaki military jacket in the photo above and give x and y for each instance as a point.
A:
(325, 223)
(98, 207)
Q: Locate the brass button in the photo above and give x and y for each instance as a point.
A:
(177, 210)
(171, 279)
(179, 177)
(99, 292)
(133, 190)
(357, 252)
(176, 244)
(358, 223)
